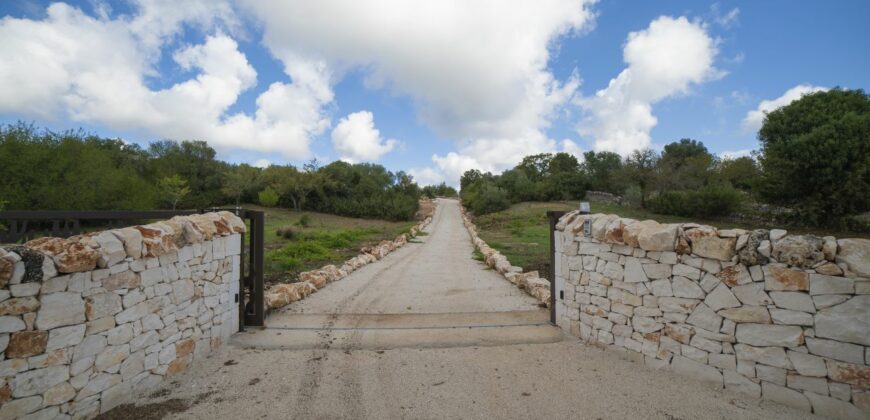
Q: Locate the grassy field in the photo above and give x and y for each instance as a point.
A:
(522, 232)
(318, 239)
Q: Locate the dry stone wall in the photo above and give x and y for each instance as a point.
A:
(281, 295)
(777, 316)
(87, 322)
(531, 282)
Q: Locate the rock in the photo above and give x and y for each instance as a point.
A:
(749, 254)
(690, 368)
(122, 280)
(99, 383)
(111, 356)
(770, 335)
(634, 271)
(836, 350)
(785, 279)
(685, 288)
(678, 333)
(795, 301)
(658, 237)
(111, 249)
(613, 230)
(788, 317)
(34, 382)
(182, 290)
(155, 240)
(734, 275)
(807, 364)
(721, 298)
(645, 324)
(752, 294)
(804, 251)
(784, 395)
(679, 305)
(833, 408)
(829, 248)
(26, 343)
(18, 306)
(102, 305)
(64, 337)
(829, 269)
(705, 318)
(11, 324)
(69, 256)
(827, 301)
(777, 234)
(687, 271)
(59, 394)
(830, 285)
(7, 269)
(848, 321)
(753, 314)
(60, 309)
(19, 408)
(653, 271)
(706, 243)
(737, 382)
(849, 373)
(771, 356)
(856, 254)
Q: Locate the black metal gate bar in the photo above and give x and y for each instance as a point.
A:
(553, 217)
(255, 314)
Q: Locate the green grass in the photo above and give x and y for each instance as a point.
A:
(327, 239)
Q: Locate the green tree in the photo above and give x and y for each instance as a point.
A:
(742, 172)
(239, 179)
(268, 197)
(173, 189)
(639, 169)
(600, 168)
(684, 164)
(815, 155)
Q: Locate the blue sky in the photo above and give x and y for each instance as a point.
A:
(433, 88)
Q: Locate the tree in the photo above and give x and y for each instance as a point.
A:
(173, 189)
(684, 164)
(815, 155)
(238, 180)
(742, 173)
(639, 168)
(600, 168)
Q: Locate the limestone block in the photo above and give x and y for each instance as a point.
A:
(770, 335)
(830, 285)
(855, 253)
(848, 321)
(795, 301)
(60, 309)
(685, 288)
(685, 366)
(785, 279)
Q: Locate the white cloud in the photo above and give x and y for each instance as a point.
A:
(663, 60)
(570, 147)
(262, 163)
(727, 19)
(734, 154)
(426, 176)
(476, 71)
(356, 139)
(754, 118)
(94, 68)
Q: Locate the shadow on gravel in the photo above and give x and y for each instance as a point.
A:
(155, 410)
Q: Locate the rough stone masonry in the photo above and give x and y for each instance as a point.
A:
(89, 321)
(777, 316)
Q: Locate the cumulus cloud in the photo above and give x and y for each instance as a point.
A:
(475, 71)
(426, 176)
(356, 139)
(754, 118)
(664, 60)
(572, 148)
(94, 68)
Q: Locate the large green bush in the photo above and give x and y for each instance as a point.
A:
(716, 200)
(816, 156)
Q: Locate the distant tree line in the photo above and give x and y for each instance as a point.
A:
(74, 170)
(814, 162)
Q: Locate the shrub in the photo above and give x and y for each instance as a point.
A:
(287, 232)
(304, 221)
(489, 200)
(268, 197)
(715, 200)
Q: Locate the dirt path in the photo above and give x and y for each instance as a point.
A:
(429, 333)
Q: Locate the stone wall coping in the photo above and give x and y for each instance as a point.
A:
(43, 258)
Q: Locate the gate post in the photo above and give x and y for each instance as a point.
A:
(553, 217)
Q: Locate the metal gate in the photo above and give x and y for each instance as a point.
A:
(21, 226)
